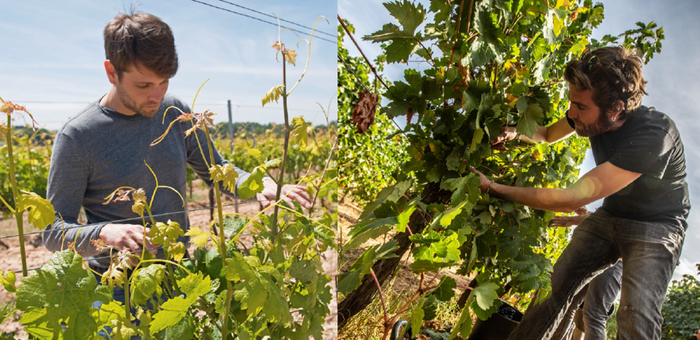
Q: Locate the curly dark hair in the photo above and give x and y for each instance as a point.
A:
(142, 38)
(613, 73)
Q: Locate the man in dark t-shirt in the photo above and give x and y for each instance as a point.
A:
(648, 143)
(640, 173)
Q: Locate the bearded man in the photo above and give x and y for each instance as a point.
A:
(108, 145)
(640, 174)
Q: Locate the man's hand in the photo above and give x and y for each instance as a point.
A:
(508, 133)
(299, 194)
(485, 182)
(127, 236)
(568, 221)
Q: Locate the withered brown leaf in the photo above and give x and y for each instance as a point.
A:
(363, 112)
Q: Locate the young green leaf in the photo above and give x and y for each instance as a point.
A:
(166, 234)
(273, 94)
(417, 316)
(170, 313)
(40, 212)
(146, 283)
(111, 315)
(299, 131)
(253, 184)
(8, 281)
(224, 173)
(198, 236)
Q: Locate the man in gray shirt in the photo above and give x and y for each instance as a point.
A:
(107, 146)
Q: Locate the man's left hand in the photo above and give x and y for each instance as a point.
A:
(290, 193)
(485, 182)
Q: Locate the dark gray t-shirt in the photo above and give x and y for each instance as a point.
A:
(648, 143)
(100, 150)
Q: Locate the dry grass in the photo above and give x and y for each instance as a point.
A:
(369, 324)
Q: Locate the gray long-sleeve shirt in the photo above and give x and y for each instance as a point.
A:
(100, 150)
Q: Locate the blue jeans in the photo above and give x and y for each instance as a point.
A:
(591, 320)
(119, 295)
(600, 297)
(649, 251)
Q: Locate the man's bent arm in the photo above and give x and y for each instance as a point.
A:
(553, 133)
(66, 189)
(604, 180)
(550, 134)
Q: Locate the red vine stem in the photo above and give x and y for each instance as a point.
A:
(361, 52)
(430, 55)
(459, 19)
(471, 9)
(381, 296)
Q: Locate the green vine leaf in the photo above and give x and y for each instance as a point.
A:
(40, 211)
(485, 294)
(112, 315)
(234, 225)
(445, 289)
(403, 41)
(146, 283)
(253, 184)
(299, 131)
(405, 216)
(183, 329)
(417, 316)
(273, 94)
(304, 271)
(530, 116)
(165, 233)
(464, 324)
(193, 286)
(254, 288)
(225, 174)
(434, 251)
(61, 291)
(198, 236)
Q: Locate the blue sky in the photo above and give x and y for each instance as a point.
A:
(52, 59)
(673, 77)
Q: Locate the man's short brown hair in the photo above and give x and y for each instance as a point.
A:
(141, 38)
(613, 73)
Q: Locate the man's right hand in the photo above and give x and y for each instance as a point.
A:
(507, 133)
(127, 236)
